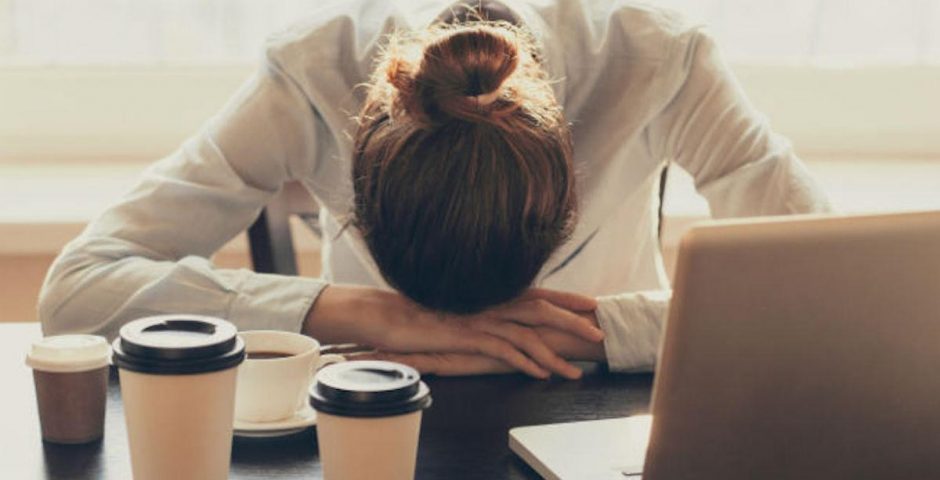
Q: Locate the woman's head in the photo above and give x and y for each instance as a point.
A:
(462, 166)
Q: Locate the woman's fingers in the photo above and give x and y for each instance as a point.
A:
(474, 340)
(531, 343)
(566, 300)
(501, 349)
(506, 338)
(542, 313)
(453, 334)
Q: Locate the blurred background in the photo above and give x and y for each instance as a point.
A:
(230, 32)
(91, 91)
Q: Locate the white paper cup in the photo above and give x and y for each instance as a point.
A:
(179, 426)
(369, 419)
(178, 377)
(368, 448)
(273, 389)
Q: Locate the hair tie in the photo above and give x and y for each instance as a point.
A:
(486, 98)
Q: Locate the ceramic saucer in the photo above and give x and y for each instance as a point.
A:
(302, 419)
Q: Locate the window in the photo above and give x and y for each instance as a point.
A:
(843, 77)
(140, 32)
(822, 32)
(210, 32)
(107, 86)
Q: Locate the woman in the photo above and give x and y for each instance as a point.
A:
(487, 190)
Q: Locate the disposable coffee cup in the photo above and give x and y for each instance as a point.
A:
(368, 419)
(70, 373)
(177, 376)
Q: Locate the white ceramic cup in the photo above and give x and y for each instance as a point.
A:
(273, 389)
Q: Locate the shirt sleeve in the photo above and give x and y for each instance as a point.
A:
(148, 253)
(739, 165)
(710, 129)
(633, 325)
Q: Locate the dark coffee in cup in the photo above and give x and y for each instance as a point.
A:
(268, 355)
(71, 377)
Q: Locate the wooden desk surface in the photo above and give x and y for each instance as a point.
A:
(463, 435)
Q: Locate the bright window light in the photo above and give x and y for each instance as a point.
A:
(822, 32)
(210, 32)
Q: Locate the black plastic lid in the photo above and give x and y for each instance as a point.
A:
(369, 388)
(178, 344)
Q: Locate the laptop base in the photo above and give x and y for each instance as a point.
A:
(612, 449)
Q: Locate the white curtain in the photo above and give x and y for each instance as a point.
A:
(155, 32)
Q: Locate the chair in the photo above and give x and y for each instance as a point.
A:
(663, 178)
(269, 237)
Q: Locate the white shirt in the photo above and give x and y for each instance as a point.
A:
(640, 85)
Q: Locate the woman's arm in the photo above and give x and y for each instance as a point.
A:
(632, 325)
(742, 168)
(148, 253)
(569, 346)
(710, 129)
(533, 334)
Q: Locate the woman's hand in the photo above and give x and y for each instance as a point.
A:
(394, 325)
(447, 364)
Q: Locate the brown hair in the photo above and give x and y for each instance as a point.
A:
(462, 199)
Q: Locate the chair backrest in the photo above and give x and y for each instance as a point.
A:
(663, 178)
(270, 242)
(269, 237)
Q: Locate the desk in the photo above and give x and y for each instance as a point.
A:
(463, 435)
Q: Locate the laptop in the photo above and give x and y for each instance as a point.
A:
(795, 347)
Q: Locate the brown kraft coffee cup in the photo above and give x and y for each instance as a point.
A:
(70, 373)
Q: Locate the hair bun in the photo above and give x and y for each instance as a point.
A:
(460, 76)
